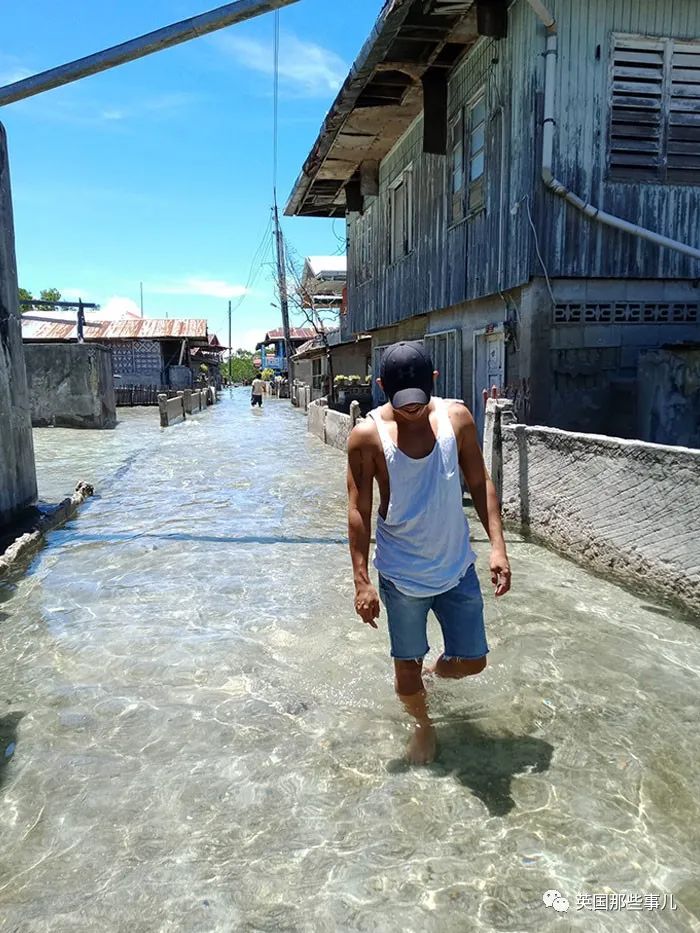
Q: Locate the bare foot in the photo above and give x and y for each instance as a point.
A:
(422, 747)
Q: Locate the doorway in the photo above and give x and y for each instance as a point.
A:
(489, 368)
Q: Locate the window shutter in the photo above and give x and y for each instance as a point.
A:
(683, 161)
(637, 118)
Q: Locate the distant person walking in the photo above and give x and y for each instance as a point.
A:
(257, 391)
(414, 448)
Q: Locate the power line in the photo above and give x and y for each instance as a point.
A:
(275, 98)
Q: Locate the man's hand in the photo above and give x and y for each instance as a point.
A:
(500, 571)
(367, 603)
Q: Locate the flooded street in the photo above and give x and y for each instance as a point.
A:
(207, 737)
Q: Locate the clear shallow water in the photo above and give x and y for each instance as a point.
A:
(207, 739)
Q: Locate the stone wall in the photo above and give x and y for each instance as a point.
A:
(627, 509)
(71, 385)
(17, 472)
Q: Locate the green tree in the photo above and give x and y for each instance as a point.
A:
(50, 294)
(25, 295)
(240, 367)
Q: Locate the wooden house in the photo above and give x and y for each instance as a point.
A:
(521, 185)
(271, 349)
(145, 352)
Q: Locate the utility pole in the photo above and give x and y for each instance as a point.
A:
(141, 286)
(230, 348)
(228, 15)
(282, 282)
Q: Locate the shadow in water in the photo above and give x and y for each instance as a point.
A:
(115, 538)
(8, 740)
(484, 763)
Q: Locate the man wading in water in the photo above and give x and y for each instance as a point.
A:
(414, 447)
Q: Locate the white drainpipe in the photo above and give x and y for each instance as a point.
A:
(557, 186)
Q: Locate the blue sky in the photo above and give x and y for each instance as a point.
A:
(161, 170)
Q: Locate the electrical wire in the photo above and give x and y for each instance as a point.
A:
(526, 199)
(275, 99)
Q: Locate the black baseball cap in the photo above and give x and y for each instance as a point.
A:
(407, 374)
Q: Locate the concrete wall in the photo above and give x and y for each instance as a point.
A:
(351, 359)
(628, 509)
(332, 427)
(71, 385)
(316, 421)
(17, 471)
(172, 410)
(669, 397)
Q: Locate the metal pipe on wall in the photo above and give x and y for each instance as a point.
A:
(557, 186)
(227, 15)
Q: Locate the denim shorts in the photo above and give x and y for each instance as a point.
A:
(460, 612)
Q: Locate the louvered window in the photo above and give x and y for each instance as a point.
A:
(655, 111)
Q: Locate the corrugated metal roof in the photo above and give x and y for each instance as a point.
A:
(296, 333)
(126, 329)
(381, 97)
(328, 266)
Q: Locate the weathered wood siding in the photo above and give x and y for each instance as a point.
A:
(454, 263)
(572, 244)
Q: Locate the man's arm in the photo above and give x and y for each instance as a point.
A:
(483, 494)
(361, 472)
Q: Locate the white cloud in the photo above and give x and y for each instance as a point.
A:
(158, 104)
(305, 66)
(72, 294)
(117, 307)
(9, 76)
(204, 288)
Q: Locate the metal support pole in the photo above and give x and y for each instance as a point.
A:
(230, 350)
(284, 299)
(227, 15)
(81, 322)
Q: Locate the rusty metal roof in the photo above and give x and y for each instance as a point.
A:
(381, 96)
(126, 329)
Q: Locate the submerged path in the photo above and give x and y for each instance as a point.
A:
(206, 739)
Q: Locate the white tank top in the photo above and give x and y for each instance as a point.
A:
(423, 543)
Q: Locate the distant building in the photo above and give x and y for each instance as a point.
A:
(323, 282)
(272, 351)
(166, 353)
(349, 357)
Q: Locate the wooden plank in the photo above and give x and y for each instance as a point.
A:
(684, 147)
(635, 145)
(684, 161)
(633, 45)
(686, 90)
(689, 75)
(642, 73)
(681, 60)
(635, 131)
(685, 105)
(642, 103)
(683, 176)
(636, 117)
(645, 88)
(685, 133)
(642, 160)
(684, 118)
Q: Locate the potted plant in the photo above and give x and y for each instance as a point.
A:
(340, 381)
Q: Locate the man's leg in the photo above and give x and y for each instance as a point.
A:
(411, 691)
(460, 613)
(407, 617)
